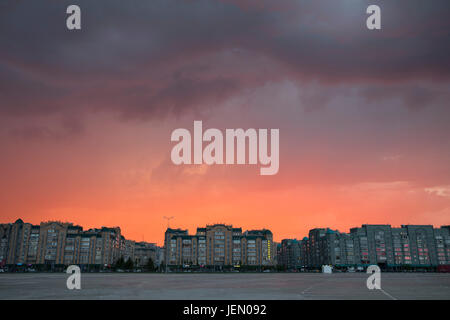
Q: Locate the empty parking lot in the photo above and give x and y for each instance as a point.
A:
(225, 286)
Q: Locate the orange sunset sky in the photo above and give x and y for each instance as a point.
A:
(86, 116)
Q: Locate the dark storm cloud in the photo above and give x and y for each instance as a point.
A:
(69, 128)
(414, 96)
(129, 55)
(188, 92)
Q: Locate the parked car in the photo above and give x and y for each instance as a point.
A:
(443, 268)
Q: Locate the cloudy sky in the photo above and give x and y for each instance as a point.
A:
(86, 116)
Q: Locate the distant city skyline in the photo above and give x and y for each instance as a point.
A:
(164, 226)
(53, 244)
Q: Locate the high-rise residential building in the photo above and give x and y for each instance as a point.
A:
(173, 243)
(108, 244)
(52, 242)
(17, 235)
(127, 248)
(219, 245)
(304, 249)
(276, 253)
(442, 242)
(315, 254)
(409, 245)
(290, 254)
(422, 244)
(373, 244)
(5, 230)
(57, 243)
(336, 248)
(60, 243)
(159, 256)
(260, 250)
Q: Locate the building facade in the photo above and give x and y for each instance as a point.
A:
(142, 252)
(406, 246)
(57, 243)
(290, 254)
(219, 245)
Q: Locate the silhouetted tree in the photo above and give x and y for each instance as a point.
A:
(120, 263)
(150, 266)
(129, 265)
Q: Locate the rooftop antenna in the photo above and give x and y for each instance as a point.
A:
(168, 220)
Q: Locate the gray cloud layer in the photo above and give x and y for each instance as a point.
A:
(153, 58)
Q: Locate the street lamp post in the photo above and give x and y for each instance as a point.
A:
(166, 242)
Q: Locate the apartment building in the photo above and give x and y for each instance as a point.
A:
(14, 239)
(290, 254)
(127, 247)
(408, 245)
(58, 243)
(316, 252)
(142, 252)
(219, 245)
